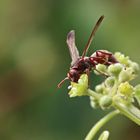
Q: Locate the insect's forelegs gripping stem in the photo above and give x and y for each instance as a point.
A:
(102, 73)
(88, 74)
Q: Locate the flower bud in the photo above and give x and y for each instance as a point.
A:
(115, 69)
(137, 89)
(122, 59)
(110, 81)
(125, 75)
(101, 68)
(99, 88)
(94, 102)
(105, 101)
(125, 89)
(97, 72)
(135, 67)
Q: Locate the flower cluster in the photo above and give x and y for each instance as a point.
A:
(116, 90)
(80, 88)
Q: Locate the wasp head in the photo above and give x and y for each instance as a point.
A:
(73, 75)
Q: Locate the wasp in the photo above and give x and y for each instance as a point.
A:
(84, 64)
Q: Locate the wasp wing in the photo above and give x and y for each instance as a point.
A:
(72, 47)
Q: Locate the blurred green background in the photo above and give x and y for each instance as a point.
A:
(34, 58)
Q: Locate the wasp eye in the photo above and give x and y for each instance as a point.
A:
(74, 75)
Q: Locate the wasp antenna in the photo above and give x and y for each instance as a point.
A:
(59, 85)
(92, 35)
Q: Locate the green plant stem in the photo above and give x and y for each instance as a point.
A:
(104, 136)
(93, 94)
(99, 124)
(129, 110)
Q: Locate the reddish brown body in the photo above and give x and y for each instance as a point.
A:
(83, 64)
(86, 64)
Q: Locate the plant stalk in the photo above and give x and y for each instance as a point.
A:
(100, 123)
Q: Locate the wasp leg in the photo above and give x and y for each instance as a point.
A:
(98, 60)
(106, 53)
(97, 54)
(102, 73)
(103, 52)
(59, 85)
(88, 74)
